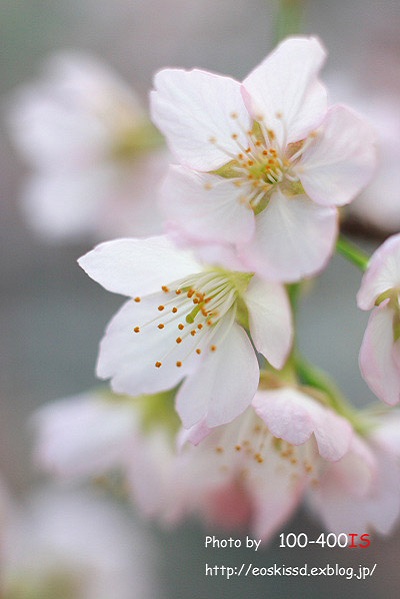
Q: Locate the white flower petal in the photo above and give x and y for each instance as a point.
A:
(383, 273)
(129, 358)
(135, 267)
(60, 206)
(270, 320)
(378, 366)
(207, 207)
(225, 384)
(340, 161)
(294, 238)
(284, 90)
(194, 109)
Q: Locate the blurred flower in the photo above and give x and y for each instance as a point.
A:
(97, 434)
(185, 323)
(95, 156)
(69, 545)
(380, 349)
(361, 492)
(263, 164)
(378, 204)
(253, 472)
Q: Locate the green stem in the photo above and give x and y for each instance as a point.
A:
(289, 18)
(352, 253)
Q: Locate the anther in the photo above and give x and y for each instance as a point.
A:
(181, 326)
(193, 333)
(179, 364)
(165, 289)
(161, 308)
(160, 326)
(198, 351)
(174, 309)
(178, 339)
(137, 329)
(213, 347)
(137, 299)
(158, 364)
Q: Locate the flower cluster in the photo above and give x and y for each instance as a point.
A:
(95, 158)
(213, 409)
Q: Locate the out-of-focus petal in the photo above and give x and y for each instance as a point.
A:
(383, 273)
(377, 363)
(83, 435)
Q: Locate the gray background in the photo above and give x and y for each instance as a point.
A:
(52, 315)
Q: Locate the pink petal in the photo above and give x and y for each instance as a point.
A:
(207, 207)
(275, 501)
(83, 435)
(378, 366)
(225, 384)
(341, 159)
(343, 508)
(194, 109)
(270, 320)
(383, 273)
(294, 238)
(283, 91)
(138, 266)
(293, 416)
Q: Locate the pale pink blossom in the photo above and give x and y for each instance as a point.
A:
(94, 155)
(361, 492)
(74, 545)
(380, 349)
(252, 473)
(263, 164)
(95, 434)
(183, 323)
(378, 204)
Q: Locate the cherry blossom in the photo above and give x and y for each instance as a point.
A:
(73, 545)
(263, 164)
(253, 472)
(183, 323)
(97, 433)
(361, 492)
(380, 349)
(95, 157)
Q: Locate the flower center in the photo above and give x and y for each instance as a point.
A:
(252, 444)
(192, 311)
(262, 165)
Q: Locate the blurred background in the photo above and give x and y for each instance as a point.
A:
(52, 316)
